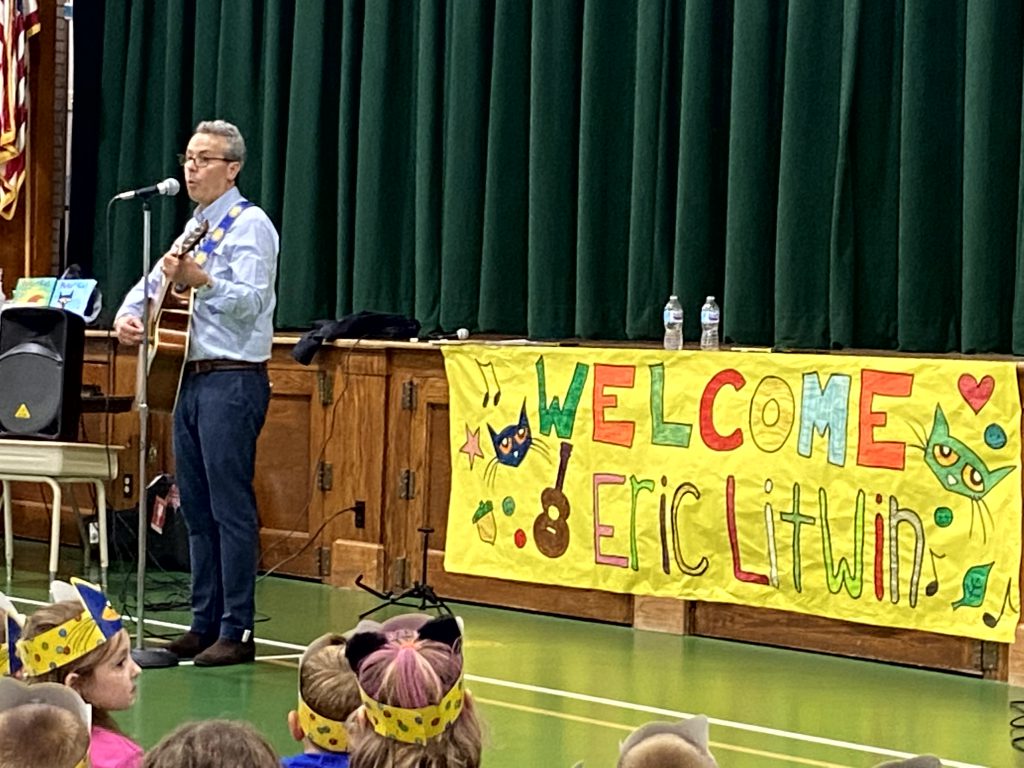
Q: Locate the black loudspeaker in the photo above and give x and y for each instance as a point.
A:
(41, 350)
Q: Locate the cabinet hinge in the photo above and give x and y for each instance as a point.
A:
(325, 476)
(325, 387)
(407, 485)
(409, 395)
(323, 559)
(989, 656)
(398, 573)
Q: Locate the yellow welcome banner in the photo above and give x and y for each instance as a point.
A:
(885, 491)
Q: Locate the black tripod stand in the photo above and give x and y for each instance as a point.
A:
(420, 590)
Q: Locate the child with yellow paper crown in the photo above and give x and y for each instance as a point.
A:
(328, 694)
(416, 711)
(79, 641)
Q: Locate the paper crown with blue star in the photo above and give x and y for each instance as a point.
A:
(95, 625)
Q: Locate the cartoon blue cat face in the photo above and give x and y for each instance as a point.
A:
(512, 443)
(955, 465)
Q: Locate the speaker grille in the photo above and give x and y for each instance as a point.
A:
(41, 356)
(30, 400)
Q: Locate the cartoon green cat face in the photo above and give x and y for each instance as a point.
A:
(957, 467)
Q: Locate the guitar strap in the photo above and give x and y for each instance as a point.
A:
(213, 239)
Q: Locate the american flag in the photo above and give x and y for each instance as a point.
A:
(19, 20)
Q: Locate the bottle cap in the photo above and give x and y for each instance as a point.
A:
(673, 296)
(710, 298)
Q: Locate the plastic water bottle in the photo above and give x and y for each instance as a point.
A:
(709, 316)
(673, 317)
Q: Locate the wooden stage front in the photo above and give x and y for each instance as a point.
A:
(368, 422)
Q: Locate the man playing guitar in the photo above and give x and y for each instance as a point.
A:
(224, 394)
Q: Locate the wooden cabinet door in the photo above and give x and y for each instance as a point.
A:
(417, 442)
(356, 423)
(123, 428)
(417, 489)
(288, 455)
(423, 481)
(355, 450)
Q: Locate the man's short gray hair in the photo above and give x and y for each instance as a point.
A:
(236, 144)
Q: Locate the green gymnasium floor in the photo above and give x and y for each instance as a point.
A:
(554, 691)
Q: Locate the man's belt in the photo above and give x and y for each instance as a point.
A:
(209, 366)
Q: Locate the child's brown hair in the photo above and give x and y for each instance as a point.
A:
(41, 726)
(327, 683)
(41, 736)
(212, 744)
(683, 744)
(328, 694)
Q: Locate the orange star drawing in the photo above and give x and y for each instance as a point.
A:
(472, 445)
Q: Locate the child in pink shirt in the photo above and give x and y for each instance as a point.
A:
(79, 641)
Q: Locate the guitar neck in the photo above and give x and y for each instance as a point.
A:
(563, 460)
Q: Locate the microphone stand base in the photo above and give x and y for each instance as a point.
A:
(154, 658)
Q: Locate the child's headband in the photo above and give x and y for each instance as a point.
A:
(15, 693)
(411, 726)
(324, 732)
(13, 623)
(56, 647)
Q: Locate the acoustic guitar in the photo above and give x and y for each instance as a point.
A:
(551, 534)
(169, 327)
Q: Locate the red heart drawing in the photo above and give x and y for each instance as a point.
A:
(975, 392)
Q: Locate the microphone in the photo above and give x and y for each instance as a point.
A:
(460, 335)
(168, 186)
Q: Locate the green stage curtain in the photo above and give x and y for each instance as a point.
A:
(838, 173)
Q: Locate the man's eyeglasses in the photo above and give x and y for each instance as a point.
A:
(201, 161)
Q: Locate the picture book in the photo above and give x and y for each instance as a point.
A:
(73, 295)
(33, 290)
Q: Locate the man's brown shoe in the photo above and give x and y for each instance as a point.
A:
(190, 644)
(225, 652)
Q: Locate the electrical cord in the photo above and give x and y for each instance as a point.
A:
(1017, 724)
(177, 582)
(293, 528)
(312, 537)
(108, 416)
(143, 493)
(180, 597)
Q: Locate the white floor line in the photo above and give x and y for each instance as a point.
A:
(853, 746)
(278, 657)
(259, 640)
(173, 625)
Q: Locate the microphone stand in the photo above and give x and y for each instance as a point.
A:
(147, 658)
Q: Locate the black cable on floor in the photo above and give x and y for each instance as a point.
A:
(1017, 724)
